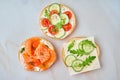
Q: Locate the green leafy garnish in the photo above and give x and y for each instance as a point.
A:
(58, 25)
(78, 52)
(62, 21)
(22, 49)
(88, 42)
(47, 14)
(31, 63)
(78, 65)
(87, 61)
(71, 45)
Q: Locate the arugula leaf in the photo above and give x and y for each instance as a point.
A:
(78, 52)
(87, 61)
(22, 49)
(71, 45)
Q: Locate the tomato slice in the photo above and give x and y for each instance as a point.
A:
(53, 12)
(45, 22)
(42, 53)
(67, 27)
(52, 30)
(69, 14)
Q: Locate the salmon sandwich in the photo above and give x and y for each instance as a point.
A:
(57, 21)
(37, 54)
(81, 54)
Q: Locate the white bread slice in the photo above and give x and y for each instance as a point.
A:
(63, 55)
(72, 21)
(42, 40)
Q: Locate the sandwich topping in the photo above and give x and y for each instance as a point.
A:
(37, 54)
(81, 55)
(57, 21)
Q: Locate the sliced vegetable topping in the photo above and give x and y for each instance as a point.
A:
(54, 6)
(60, 33)
(68, 13)
(53, 12)
(52, 30)
(45, 22)
(76, 65)
(69, 59)
(86, 46)
(65, 18)
(55, 18)
(67, 27)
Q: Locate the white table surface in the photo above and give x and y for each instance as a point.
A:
(19, 19)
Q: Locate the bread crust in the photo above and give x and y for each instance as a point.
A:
(73, 27)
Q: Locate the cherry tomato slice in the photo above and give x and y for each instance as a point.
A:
(67, 27)
(52, 30)
(69, 14)
(45, 22)
(53, 12)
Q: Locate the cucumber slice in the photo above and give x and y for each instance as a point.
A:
(80, 46)
(60, 33)
(54, 6)
(55, 19)
(69, 60)
(64, 19)
(88, 48)
(76, 65)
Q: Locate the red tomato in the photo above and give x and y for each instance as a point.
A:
(45, 22)
(67, 27)
(53, 12)
(69, 14)
(52, 30)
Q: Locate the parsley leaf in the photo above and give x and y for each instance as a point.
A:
(71, 45)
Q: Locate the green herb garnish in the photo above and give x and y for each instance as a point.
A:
(88, 42)
(87, 61)
(22, 49)
(58, 25)
(31, 63)
(47, 14)
(78, 52)
(71, 45)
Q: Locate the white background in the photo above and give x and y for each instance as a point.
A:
(19, 19)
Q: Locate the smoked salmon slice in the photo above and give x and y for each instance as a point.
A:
(37, 54)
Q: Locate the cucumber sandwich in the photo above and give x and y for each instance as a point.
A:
(80, 55)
